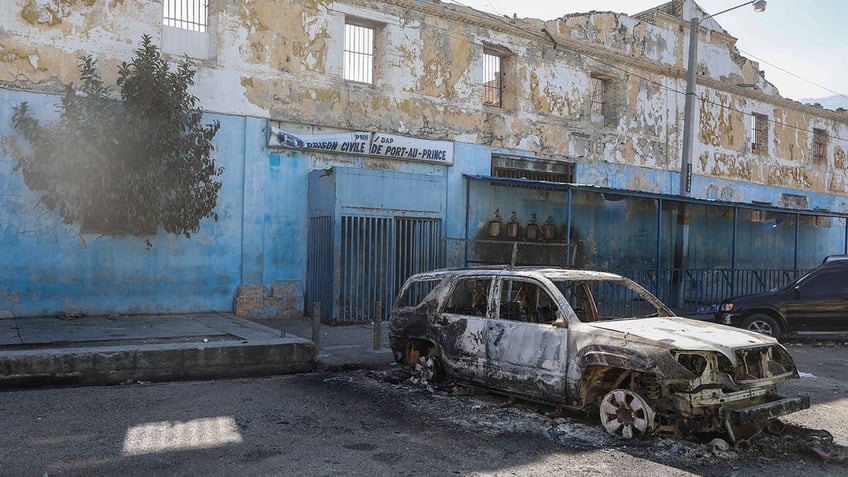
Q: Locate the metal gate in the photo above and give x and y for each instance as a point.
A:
(375, 256)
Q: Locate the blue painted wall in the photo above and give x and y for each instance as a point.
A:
(48, 267)
(260, 237)
(261, 234)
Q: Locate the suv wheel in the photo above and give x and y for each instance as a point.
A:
(626, 414)
(763, 324)
(430, 368)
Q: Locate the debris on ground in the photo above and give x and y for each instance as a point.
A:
(71, 315)
(489, 413)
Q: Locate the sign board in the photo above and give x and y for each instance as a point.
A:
(353, 142)
(411, 149)
(365, 143)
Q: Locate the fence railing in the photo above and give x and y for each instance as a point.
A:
(691, 291)
(699, 291)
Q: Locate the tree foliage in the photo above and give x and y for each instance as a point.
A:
(125, 166)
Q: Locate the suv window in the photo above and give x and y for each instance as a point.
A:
(827, 283)
(580, 298)
(470, 296)
(523, 300)
(416, 292)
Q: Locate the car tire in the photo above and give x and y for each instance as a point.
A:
(763, 324)
(626, 414)
(430, 367)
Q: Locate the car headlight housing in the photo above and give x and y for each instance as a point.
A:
(695, 363)
(726, 307)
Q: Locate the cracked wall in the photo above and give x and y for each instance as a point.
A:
(283, 60)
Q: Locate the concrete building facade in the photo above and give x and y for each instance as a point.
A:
(343, 158)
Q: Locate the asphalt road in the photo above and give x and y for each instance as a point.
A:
(376, 422)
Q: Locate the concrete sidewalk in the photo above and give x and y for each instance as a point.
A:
(342, 346)
(118, 349)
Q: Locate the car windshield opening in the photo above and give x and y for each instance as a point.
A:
(604, 300)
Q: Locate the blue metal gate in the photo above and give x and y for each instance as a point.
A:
(375, 256)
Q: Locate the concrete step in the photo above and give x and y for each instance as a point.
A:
(121, 349)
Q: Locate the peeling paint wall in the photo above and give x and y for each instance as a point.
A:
(283, 60)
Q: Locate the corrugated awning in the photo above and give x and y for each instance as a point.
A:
(618, 194)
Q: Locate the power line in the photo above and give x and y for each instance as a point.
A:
(792, 74)
(669, 88)
(502, 19)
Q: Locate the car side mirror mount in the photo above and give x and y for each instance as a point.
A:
(559, 322)
(796, 291)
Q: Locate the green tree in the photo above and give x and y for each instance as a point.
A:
(124, 166)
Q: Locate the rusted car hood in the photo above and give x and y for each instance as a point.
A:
(686, 334)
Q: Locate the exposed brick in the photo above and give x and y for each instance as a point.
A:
(248, 290)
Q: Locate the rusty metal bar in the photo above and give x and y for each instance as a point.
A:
(378, 325)
(316, 325)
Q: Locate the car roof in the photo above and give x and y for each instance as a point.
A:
(835, 259)
(552, 273)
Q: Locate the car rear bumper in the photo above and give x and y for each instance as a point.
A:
(766, 411)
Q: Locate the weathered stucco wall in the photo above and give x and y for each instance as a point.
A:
(283, 60)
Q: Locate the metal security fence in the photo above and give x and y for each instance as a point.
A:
(688, 291)
(691, 253)
(699, 291)
(498, 252)
(319, 263)
(418, 248)
(364, 266)
(186, 14)
(367, 263)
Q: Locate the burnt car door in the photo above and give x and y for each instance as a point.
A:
(819, 302)
(461, 324)
(526, 344)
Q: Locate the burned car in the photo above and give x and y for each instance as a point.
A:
(591, 341)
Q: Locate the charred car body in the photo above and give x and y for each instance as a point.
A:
(588, 340)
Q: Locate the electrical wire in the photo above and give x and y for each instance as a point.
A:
(837, 93)
(704, 100)
(503, 19)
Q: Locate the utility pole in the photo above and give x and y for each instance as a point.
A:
(681, 243)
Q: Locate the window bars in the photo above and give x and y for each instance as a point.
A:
(186, 14)
(359, 53)
(819, 147)
(492, 84)
(760, 128)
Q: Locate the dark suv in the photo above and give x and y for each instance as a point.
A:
(816, 302)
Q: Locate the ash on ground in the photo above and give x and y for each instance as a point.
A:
(482, 411)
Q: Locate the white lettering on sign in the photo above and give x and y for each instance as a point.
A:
(374, 144)
(356, 142)
(412, 149)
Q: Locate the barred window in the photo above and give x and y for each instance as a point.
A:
(604, 105)
(185, 14)
(599, 86)
(532, 169)
(819, 147)
(759, 124)
(359, 53)
(492, 80)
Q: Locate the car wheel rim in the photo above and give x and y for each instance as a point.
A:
(626, 414)
(761, 327)
(428, 369)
